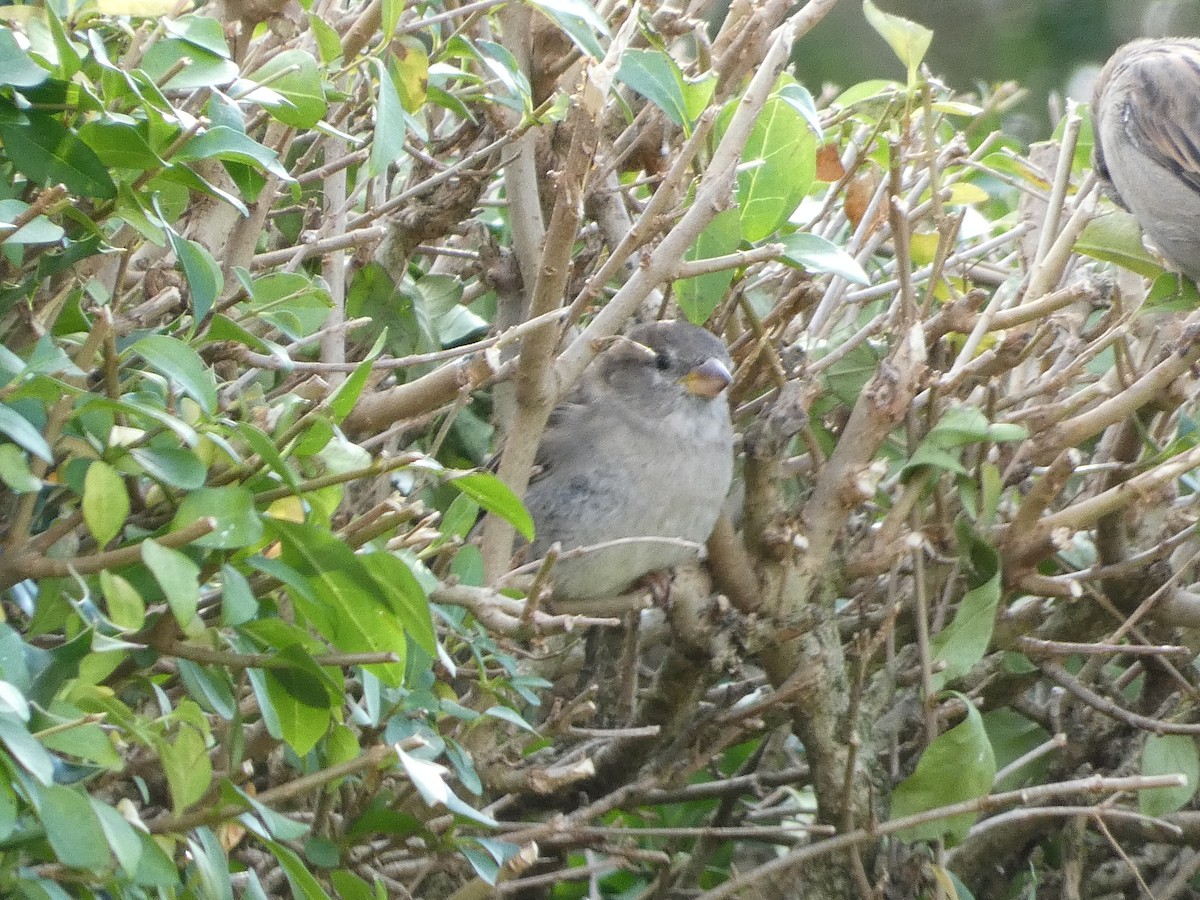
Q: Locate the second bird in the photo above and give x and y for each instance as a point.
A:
(641, 450)
(1146, 116)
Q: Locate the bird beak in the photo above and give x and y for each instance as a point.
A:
(708, 379)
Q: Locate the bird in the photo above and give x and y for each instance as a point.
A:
(1146, 121)
(640, 454)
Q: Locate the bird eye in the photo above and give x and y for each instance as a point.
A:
(662, 359)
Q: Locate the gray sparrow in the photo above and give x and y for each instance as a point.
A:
(1146, 117)
(641, 454)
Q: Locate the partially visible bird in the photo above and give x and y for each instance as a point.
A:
(1146, 117)
(643, 450)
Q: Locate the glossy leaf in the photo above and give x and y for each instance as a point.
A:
(580, 22)
(177, 576)
(105, 502)
(187, 767)
(957, 766)
(390, 128)
(654, 75)
(226, 143)
(17, 428)
(294, 76)
(126, 609)
(25, 749)
(73, 828)
(1117, 238)
(1168, 754)
(232, 506)
(175, 466)
(204, 277)
(47, 153)
(815, 254)
(700, 295)
(15, 471)
(908, 40)
(779, 163)
(304, 885)
(16, 68)
(182, 365)
(497, 498)
(38, 230)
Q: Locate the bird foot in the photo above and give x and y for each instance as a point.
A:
(659, 586)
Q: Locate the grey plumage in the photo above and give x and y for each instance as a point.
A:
(643, 448)
(1146, 116)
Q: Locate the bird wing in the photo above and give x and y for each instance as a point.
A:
(1167, 120)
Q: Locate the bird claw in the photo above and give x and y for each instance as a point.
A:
(659, 586)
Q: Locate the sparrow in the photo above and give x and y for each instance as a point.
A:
(639, 452)
(1146, 119)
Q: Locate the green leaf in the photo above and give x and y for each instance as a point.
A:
(201, 67)
(182, 365)
(26, 750)
(47, 153)
(204, 32)
(177, 575)
(175, 466)
(203, 275)
(503, 65)
(223, 142)
(798, 98)
(700, 295)
(238, 522)
(349, 886)
(958, 766)
(1169, 754)
(210, 687)
(52, 670)
(8, 809)
(908, 40)
(120, 145)
(403, 592)
(18, 429)
(237, 600)
(344, 604)
(1012, 736)
(815, 254)
(122, 839)
(209, 865)
(962, 643)
(278, 825)
(187, 767)
(1117, 238)
(328, 41)
(578, 20)
(304, 885)
(73, 828)
(105, 502)
(779, 163)
(1170, 293)
(38, 230)
(15, 472)
(497, 498)
(126, 609)
(301, 706)
(345, 396)
(510, 715)
(16, 68)
(654, 75)
(958, 427)
(387, 145)
(293, 74)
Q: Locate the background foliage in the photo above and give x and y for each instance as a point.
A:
(271, 273)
